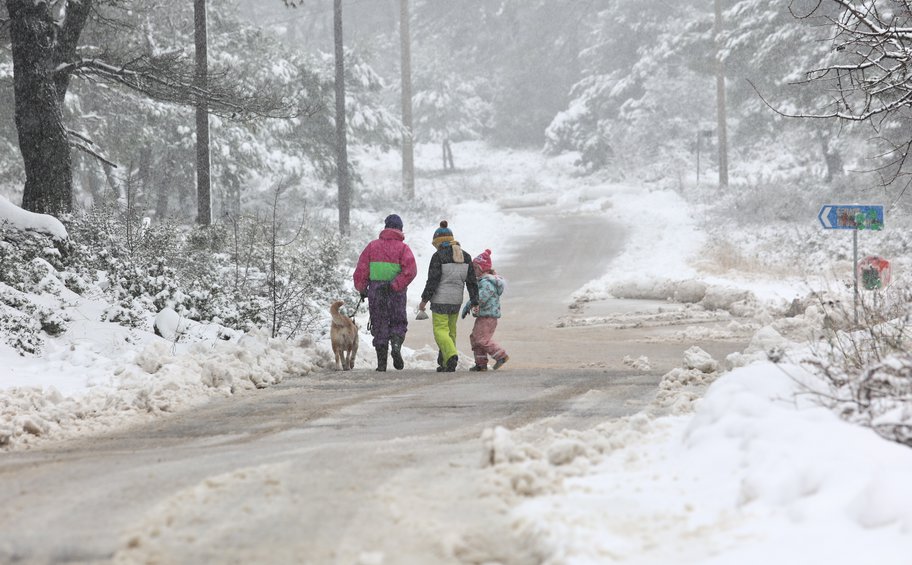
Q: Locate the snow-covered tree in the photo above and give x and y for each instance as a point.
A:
(48, 50)
(449, 109)
(638, 100)
(867, 72)
(151, 141)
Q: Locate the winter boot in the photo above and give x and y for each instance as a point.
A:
(500, 362)
(451, 364)
(381, 358)
(440, 367)
(479, 368)
(396, 351)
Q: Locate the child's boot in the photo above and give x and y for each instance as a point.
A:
(500, 362)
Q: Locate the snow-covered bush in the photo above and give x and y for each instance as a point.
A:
(865, 367)
(29, 263)
(879, 396)
(229, 274)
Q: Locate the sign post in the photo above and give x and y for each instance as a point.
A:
(853, 217)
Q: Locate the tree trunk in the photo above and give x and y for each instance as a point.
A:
(448, 156)
(408, 152)
(832, 159)
(120, 196)
(144, 178)
(721, 117)
(161, 201)
(39, 120)
(341, 145)
(203, 173)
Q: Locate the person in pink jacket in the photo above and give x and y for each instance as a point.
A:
(385, 269)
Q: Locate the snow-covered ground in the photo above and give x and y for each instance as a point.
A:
(727, 467)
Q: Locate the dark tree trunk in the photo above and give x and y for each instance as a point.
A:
(39, 120)
(341, 144)
(203, 174)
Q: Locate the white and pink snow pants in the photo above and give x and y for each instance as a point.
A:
(482, 340)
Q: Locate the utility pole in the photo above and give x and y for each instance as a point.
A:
(341, 144)
(408, 151)
(720, 99)
(203, 174)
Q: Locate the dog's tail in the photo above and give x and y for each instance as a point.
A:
(337, 315)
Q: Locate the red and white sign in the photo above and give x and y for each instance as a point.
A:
(874, 272)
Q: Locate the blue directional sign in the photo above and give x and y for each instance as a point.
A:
(851, 217)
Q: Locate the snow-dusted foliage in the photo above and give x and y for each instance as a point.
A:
(223, 274)
(876, 394)
(646, 97)
(449, 108)
(152, 142)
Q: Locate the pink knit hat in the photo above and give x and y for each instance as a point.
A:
(483, 261)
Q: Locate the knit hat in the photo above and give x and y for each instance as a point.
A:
(442, 235)
(483, 261)
(394, 222)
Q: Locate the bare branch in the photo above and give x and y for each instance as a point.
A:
(84, 144)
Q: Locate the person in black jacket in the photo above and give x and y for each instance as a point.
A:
(449, 275)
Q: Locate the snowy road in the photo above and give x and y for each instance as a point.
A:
(343, 468)
(328, 469)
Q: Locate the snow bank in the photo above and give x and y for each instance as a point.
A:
(23, 220)
(152, 381)
(756, 475)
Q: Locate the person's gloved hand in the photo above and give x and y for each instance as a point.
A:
(363, 294)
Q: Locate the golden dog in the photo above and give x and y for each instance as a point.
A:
(343, 333)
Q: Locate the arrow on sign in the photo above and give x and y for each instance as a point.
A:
(824, 217)
(851, 217)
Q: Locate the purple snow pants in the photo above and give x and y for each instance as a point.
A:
(387, 312)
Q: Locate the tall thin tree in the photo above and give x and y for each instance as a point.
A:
(203, 172)
(721, 118)
(408, 152)
(341, 143)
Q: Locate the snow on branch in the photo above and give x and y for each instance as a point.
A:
(872, 48)
(23, 220)
(169, 78)
(867, 74)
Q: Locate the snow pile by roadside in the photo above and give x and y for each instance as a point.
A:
(675, 251)
(155, 382)
(759, 473)
(110, 391)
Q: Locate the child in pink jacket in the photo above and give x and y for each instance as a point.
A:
(487, 312)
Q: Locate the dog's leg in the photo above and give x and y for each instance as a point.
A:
(337, 354)
(354, 352)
